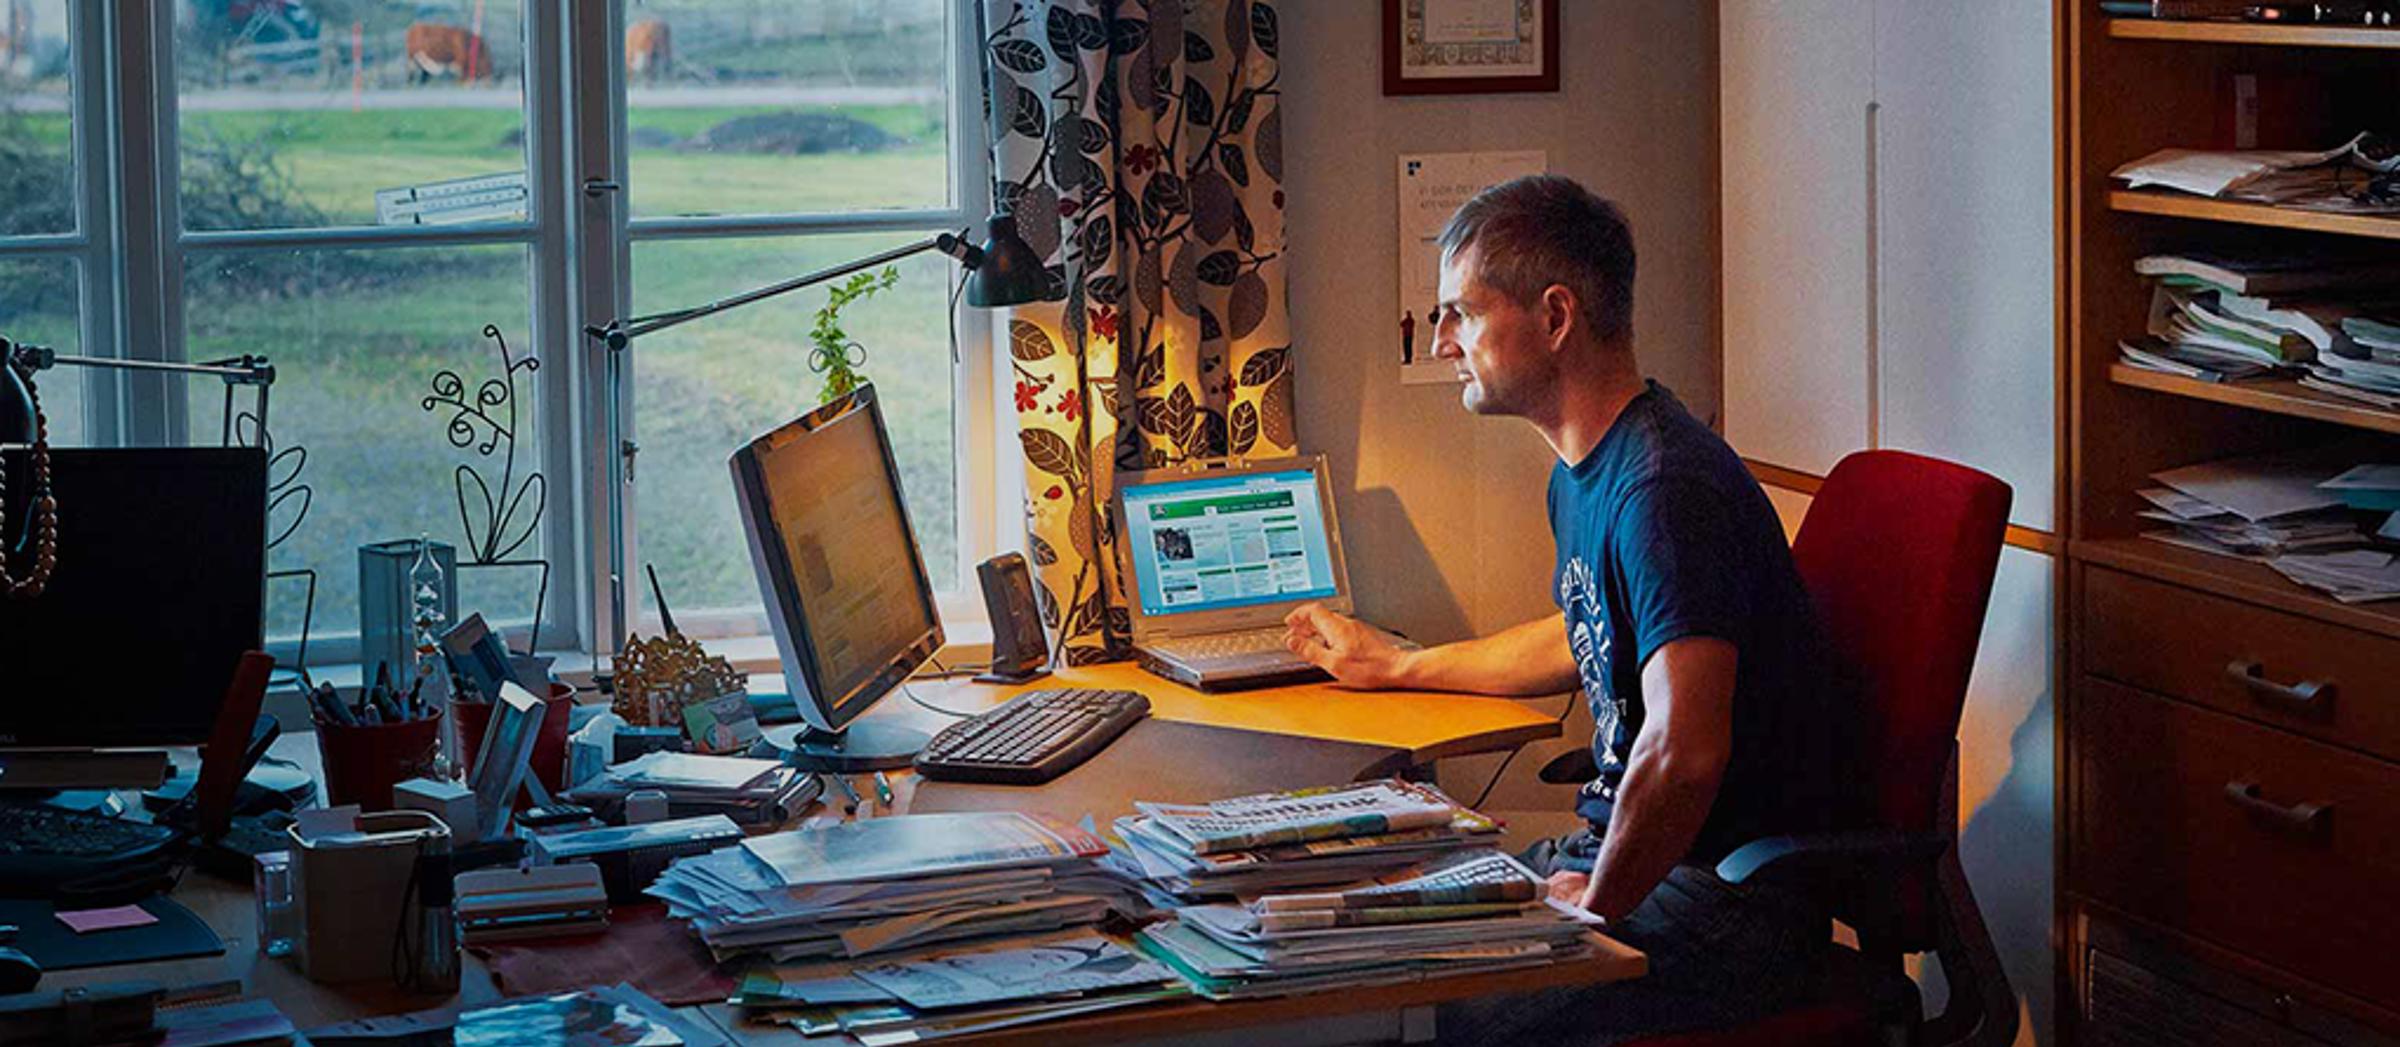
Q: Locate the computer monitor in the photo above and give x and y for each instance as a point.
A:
(160, 588)
(844, 584)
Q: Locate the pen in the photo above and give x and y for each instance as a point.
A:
(883, 789)
(850, 804)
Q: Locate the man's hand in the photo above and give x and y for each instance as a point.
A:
(1569, 886)
(1357, 655)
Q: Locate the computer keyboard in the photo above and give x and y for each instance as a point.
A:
(43, 847)
(1035, 737)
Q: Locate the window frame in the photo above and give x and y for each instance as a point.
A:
(132, 250)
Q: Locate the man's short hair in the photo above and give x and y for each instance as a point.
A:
(1541, 230)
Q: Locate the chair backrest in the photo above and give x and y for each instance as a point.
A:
(1898, 552)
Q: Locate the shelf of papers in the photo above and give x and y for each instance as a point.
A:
(2239, 579)
(2184, 205)
(2258, 35)
(2275, 395)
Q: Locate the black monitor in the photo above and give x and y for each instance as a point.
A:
(160, 588)
(844, 584)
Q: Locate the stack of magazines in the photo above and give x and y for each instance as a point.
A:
(1475, 910)
(752, 792)
(930, 994)
(885, 884)
(2367, 367)
(1311, 837)
(2222, 319)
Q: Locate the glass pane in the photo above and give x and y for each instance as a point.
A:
(37, 145)
(358, 339)
(38, 299)
(779, 106)
(358, 112)
(702, 389)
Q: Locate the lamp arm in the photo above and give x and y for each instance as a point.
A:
(247, 370)
(617, 333)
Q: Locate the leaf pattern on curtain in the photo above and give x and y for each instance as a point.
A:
(1139, 143)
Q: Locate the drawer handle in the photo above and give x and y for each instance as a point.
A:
(2300, 817)
(2309, 696)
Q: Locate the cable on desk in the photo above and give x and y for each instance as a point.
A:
(911, 692)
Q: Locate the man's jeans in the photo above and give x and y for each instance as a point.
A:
(1720, 954)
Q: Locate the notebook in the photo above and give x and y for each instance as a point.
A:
(1217, 552)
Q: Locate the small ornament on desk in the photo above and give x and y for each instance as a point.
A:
(671, 681)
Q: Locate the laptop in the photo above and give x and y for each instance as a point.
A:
(1217, 552)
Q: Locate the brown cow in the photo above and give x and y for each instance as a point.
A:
(445, 50)
(649, 50)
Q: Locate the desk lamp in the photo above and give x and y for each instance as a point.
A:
(1004, 271)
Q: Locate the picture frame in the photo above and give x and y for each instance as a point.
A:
(1456, 47)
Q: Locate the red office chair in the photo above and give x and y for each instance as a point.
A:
(1897, 552)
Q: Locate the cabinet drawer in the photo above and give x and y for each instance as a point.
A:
(2325, 681)
(2260, 841)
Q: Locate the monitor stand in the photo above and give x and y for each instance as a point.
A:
(863, 746)
(49, 770)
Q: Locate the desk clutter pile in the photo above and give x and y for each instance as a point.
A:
(918, 927)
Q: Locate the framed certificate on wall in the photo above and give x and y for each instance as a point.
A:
(1442, 47)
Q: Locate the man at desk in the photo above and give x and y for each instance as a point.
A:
(1682, 620)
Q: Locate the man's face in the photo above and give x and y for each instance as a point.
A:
(1499, 347)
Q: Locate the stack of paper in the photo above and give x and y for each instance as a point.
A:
(2292, 513)
(2366, 365)
(883, 884)
(2335, 179)
(1476, 910)
(1293, 839)
(748, 791)
(930, 994)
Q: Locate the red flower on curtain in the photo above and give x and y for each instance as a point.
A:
(1071, 404)
(1140, 159)
(1027, 394)
(1104, 322)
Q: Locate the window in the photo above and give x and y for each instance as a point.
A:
(356, 188)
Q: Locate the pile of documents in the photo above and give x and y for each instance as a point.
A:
(884, 884)
(1474, 910)
(2295, 513)
(2225, 319)
(1251, 844)
(930, 994)
(752, 792)
(2353, 177)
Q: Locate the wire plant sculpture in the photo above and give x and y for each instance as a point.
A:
(288, 503)
(495, 527)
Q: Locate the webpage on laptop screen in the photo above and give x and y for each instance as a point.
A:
(1214, 543)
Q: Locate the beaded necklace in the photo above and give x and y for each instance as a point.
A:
(45, 510)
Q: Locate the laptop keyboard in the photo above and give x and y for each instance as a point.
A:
(1226, 645)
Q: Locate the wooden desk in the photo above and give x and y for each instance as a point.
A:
(1328, 734)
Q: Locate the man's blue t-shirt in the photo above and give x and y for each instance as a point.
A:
(1662, 534)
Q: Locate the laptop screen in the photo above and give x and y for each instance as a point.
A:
(1210, 543)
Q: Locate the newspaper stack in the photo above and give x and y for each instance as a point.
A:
(883, 884)
(930, 994)
(1475, 910)
(1310, 837)
(748, 791)
(2292, 513)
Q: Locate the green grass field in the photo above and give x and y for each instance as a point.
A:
(355, 362)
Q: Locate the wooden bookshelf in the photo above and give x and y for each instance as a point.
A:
(2284, 396)
(2256, 35)
(2184, 205)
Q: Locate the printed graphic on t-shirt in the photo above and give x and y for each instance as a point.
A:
(1587, 636)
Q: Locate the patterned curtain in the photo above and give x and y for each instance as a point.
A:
(1139, 143)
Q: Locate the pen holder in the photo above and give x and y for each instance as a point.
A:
(363, 762)
(549, 760)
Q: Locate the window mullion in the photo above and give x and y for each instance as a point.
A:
(143, 142)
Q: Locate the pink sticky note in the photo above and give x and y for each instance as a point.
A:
(85, 921)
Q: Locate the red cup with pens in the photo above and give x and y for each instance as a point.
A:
(388, 735)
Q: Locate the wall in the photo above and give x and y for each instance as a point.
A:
(1441, 511)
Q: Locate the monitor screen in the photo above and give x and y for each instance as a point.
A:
(160, 587)
(1213, 543)
(837, 563)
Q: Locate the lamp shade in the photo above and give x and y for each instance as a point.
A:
(1009, 273)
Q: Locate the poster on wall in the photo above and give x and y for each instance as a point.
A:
(1432, 185)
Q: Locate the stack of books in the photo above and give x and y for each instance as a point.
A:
(1274, 841)
(884, 884)
(751, 792)
(1475, 910)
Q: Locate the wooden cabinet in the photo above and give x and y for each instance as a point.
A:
(2230, 788)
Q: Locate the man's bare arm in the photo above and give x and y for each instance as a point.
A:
(1528, 659)
(1672, 775)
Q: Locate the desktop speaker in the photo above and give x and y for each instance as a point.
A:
(1018, 647)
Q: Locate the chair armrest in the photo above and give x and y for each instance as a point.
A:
(1815, 858)
(1573, 767)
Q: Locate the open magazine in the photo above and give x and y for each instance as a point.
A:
(1269, 819)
